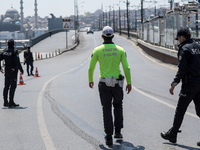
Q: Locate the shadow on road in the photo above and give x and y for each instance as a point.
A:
(121, 145)
(183, 146)
(14, 107)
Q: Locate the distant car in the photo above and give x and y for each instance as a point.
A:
(90, 31)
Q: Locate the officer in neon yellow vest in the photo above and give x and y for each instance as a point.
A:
(110, 84)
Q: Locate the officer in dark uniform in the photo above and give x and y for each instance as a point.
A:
(12, 64)
(189, 74)
(28, 57)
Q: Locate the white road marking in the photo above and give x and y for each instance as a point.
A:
(41, 121)
(162, 102)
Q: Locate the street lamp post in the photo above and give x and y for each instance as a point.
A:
(135, 16)
(120, 32)
(109, 16)
(106, 16)
(76, 21)
(77, 14)
(113, 18)
(99, 22)
(103, 19)
(124, 20)
(127, 3)
(135, 20)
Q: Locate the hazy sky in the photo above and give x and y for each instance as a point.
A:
(66, 7)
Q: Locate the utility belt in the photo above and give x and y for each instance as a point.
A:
(111, 81)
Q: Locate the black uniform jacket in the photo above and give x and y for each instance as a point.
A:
(12, 62)
(189, 63)
(28, 56)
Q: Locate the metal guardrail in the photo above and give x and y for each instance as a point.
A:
(41, 37)
(132, 33)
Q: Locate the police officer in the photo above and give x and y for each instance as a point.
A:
(12, 64)
(28, 57)
(110, 84)
(189, 74)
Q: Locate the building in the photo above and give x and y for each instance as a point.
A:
(10, 21)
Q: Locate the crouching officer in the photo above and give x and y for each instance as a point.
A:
(110, 85)
(189, 73)
(12, 64)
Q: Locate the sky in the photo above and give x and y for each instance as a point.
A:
(66, 7)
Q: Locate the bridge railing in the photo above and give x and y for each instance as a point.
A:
(41, 37)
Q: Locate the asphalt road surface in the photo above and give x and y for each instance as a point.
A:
(58, 111)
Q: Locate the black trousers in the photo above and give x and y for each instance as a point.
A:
(10, 85)
(188, 93)
(111, 96)
(27, 67)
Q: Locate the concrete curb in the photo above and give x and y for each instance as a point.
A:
(159, 49)
(163, 54)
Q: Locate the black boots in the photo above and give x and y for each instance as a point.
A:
(108, 140)
(198, 143)
(12, 104)
(6, 104)
(118, 136)
(170, 135)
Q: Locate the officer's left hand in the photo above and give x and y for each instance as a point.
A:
(91, 84)
(171, 90)
(2, 71)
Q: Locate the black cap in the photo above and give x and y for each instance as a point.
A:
(11, 43)
(183, 32)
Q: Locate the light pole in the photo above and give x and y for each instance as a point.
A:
(127, 3)
(141, 11)
(106, 16)
(124, 20)
(103, 20)
(113, 18)
(99, 22)
(136, 16)
(109, 16)
(77, 13)
(120, 32)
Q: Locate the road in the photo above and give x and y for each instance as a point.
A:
(58, 111)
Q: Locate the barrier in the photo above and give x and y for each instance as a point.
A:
(41, 37)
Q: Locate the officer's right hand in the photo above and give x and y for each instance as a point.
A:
(171, 90)
(91, 84)
(128, 88)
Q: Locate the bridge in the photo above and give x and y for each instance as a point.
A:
(58, 111)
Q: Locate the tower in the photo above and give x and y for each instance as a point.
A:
(36, 15)
(22, 15)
